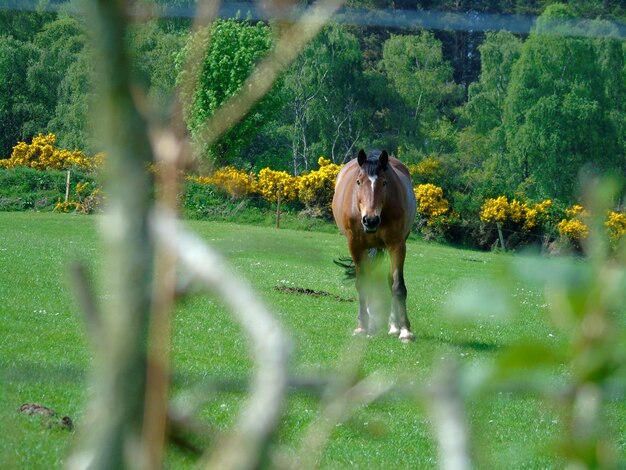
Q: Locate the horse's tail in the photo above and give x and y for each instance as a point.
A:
(348, 266)
(374, 255)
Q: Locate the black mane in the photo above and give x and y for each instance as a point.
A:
(372, 164)
(371, 167)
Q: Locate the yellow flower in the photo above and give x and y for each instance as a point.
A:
(315, 189)
(615, 225)
(428, 167)
(271, 182)
(573, 229)
(235, 182)
(495, 210)
(323, 161)
(430, 202)
(517, 211)
(42, 155)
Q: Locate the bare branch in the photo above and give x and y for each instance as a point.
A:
(448, 418)
(260, 415)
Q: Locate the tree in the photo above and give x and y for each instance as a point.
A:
(557, 115)
(154, 50)
(59, 45)
(74, 107)
(415, 68)
(233, 47)
(323, 95)
(481, 143)
(15, 106)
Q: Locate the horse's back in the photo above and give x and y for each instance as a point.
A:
(407, 189)
(344, 191)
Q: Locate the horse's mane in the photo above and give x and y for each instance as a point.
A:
(371, 166)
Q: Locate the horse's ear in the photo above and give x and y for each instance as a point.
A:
(361, 157)
(383, 159)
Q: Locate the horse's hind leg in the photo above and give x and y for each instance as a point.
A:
(399, 324)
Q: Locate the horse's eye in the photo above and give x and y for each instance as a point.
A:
(384, 183)
(358, 182)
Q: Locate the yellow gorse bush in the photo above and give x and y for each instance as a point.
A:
(573, 228)
(270, 182)
(430, 202)
(429, 168)
(316, 188)
(42, 155)
(535, 215)
(527, 216)
(237, 183)
(615, 225)
(495, 210)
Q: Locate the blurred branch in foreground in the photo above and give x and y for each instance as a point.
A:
(257, 420)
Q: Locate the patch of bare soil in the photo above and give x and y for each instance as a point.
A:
(312, 293)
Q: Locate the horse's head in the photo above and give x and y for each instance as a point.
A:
(371, 188)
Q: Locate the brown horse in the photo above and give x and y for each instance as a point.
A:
(374, 206)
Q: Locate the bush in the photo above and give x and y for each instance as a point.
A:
(271, 182)
(234, 182)
(41, 154)
(316, 188)
(25, 188)
(523, 222)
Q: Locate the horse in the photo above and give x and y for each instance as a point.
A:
(374, 207)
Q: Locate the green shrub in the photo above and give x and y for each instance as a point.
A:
(23, 188)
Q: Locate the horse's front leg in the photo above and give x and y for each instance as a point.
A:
(364, 319)
(360, 268)
(399, 324)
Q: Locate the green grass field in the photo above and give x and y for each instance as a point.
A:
(45, 357)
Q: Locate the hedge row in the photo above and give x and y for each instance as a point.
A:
(35, 178)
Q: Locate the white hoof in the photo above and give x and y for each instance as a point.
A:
(406, 336)
(394, 330)
(359, 332)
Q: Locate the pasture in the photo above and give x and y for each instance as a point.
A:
(45, 356)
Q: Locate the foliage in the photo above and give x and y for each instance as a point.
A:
(154, 47)
(271, 182)
(324, 99)
(232, 47)
(316, 188)
(15, 103)
(558, 88)
(25, 188)
(41, 154)
(573, 228)
(237, 183)
(415, 67)
(430, 202)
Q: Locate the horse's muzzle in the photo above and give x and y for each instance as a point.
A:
(370, 224)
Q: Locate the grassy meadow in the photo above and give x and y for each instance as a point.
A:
(45, 355)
